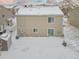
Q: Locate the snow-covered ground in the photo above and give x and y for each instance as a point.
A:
(39, 48)
(44, 47)
(71, 35)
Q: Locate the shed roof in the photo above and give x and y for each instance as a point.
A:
(55, 10)
(5, 36)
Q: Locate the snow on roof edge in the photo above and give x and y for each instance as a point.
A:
(40, 11)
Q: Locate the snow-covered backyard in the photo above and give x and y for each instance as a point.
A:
(45, 47)
(39, 48)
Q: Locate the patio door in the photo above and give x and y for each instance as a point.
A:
(50, 32)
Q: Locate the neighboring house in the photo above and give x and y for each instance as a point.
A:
(8, 20)
(5, 14)
(39, 21)
(5, 42)
(74, 17)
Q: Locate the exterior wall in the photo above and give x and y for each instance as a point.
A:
(27, 23)
(6, 12)
(4, 45)
(58, 26)
(74, 17)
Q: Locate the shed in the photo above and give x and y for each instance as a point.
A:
(5, 42)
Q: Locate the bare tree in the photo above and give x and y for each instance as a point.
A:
(68, 5)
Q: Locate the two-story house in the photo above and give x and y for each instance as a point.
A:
(39, 21)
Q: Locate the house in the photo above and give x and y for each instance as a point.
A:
(39, 21)
(74, 17)
(5, 14)
(5, 42)
(7, 21)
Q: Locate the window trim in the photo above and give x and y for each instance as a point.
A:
(53, 20)
(35, 28)
(53, 32)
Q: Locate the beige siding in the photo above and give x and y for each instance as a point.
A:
(74, 17)
(27, 23)
(74, 21)
(58, 24)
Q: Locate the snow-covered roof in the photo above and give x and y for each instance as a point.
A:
(5, 36)
(55, 10)
(7, 6)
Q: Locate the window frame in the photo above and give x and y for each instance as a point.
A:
(53, 32)
(37, 30)
(51, 19)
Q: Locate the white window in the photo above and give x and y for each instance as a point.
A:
(35, 29)
(50, 32)
(50, 19)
